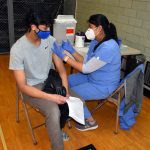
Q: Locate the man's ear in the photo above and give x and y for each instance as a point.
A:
(33, 27)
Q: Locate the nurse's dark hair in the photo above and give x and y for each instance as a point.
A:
(37, 16)
(109, 28)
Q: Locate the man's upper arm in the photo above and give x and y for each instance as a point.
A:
(58, 63)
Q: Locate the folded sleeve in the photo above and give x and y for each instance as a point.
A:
(16, 59)
(92, 65)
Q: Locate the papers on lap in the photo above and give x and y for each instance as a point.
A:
(76, 109)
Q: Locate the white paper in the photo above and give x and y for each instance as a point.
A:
(76, 109)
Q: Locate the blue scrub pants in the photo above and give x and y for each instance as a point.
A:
(80, 84)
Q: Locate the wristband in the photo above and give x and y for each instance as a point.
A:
(66, 58)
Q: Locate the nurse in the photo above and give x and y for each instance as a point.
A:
(99, 71)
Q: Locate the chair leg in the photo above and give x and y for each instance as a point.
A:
(100, 103)
(30, 124)
(17, 105)
(117, 114)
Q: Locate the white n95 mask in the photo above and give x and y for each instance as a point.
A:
(90, 34)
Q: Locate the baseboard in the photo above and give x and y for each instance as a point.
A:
(146, 92)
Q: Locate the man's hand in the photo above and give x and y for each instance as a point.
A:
(57, 98)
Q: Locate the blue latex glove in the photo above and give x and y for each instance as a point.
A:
(58, 50)
(67, 46)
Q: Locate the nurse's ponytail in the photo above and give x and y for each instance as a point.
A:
(113, 32)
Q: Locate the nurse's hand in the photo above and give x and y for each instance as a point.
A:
(58, 50)
(67, 46)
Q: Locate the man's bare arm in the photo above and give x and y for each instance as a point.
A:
(33, 92)
(61, 70)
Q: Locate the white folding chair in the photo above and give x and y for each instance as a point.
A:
(19, 98)
(114, 98)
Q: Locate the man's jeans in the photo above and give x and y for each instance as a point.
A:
(52, 117)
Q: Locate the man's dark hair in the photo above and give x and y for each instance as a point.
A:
(38, 16)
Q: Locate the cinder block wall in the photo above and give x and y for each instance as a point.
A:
(131, 17)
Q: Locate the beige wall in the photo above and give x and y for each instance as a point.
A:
(131, 17)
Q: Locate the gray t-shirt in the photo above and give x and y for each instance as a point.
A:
(35, 61)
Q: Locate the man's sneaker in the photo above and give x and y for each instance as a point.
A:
(65, 136)
(88, 126)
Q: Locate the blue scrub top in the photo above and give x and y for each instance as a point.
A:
(108, 75)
